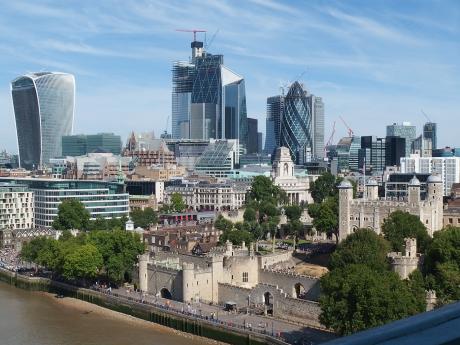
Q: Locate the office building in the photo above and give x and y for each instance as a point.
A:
(79, 145)
(395, 148)
(447, 168)
(74, 145)
(44, 111)
(404, 130)
(208, 99)
(397, 185)
(252, 146)
(275, 108)
(16, 207)
(260, 142)
(100, 198)
(430, 134)
(187, 151)
(219, 158)
(296, 121)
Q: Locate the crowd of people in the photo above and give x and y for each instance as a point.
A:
(9, 259)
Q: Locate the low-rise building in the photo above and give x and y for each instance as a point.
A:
(100, 198)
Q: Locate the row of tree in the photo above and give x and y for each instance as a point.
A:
(110, 254)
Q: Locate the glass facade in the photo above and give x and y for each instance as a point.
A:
(44, 110)
(252, 146)
(275, 108)
(404, 130)
(74, 145)
(208, 100)
(104, 142)
(101, 199)
(219, 158)
(296, 124)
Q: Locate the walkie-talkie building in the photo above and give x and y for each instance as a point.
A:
(44, 105)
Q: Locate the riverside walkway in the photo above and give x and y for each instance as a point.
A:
(285, 331)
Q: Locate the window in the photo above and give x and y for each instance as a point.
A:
(245, 277)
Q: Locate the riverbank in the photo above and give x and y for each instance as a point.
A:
(86, 308)
(163, 316)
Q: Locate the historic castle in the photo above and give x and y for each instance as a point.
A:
(370, 211)
(233, 274)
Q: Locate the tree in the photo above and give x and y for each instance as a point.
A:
(177, 202)
(323, 187)
(263, 190)
(362, 247)
(222, 223)
(400, 225)
(144, 218)
(326, 216)
(72, 214)
(356, 297)
(236, 236)
(30, 250)
(442, 264)
(83, 263)
(249, 214)
(293, 212)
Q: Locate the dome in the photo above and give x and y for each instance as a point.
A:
(371, 182)
(345, 184)
(435, 178)
(414, 182)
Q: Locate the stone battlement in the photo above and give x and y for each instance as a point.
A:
(288, 273)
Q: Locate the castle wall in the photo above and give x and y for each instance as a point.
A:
(268, 260)
(288, 281)
(236, 267)
(199, 286)
(161, 277)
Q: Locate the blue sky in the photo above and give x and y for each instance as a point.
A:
(373, 62)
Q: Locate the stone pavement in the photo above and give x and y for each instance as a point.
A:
(289, 332)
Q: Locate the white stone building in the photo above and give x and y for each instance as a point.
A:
(370, 211)
(448, 168)
(297, 189)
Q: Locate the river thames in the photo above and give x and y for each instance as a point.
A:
(33, 318)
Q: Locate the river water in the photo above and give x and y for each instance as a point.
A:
(33, 318)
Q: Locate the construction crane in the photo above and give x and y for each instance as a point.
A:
(424, 114)
(192, 30)
(208, 44)
(330, 140)
(350, 131)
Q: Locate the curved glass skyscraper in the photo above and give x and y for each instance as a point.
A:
(44, 105)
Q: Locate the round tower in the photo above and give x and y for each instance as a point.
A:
(217, 267)
(435, 203)
(144, 260)
(188, 276)
(345, 197)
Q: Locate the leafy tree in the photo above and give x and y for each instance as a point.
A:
(267, 211)
(236, 236)
(100, 223)
(144, 218)
(263, 190)
(222, 223)
(442, 264)
(30, 250)
(362, 247)
(50, 254)
(323, 187)
(356, 298)
(177, 202)
(249, 214)
(400, 225)
(72, 214)
(293, 212)
(83, 263)
(326, 216)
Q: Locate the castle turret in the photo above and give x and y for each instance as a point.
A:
(188, 276)
(413, 193)
(228, 248)
(372, 190)
(345, 197)
(434, 204)
(143, 272)
(405, 264)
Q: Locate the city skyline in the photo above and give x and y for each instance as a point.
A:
(374, 66)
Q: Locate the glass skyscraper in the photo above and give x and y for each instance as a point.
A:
(404, 130)
(297, 122)
(44, 105)
(208, 99)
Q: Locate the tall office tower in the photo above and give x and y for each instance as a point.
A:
(209, 100)
(260, 142)
(372, 153)
(252, 141)
(404, 130)
(395, 148)
(182, 78)
(297, 122)
(275, 108)
(44, 105)
(430, 133)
